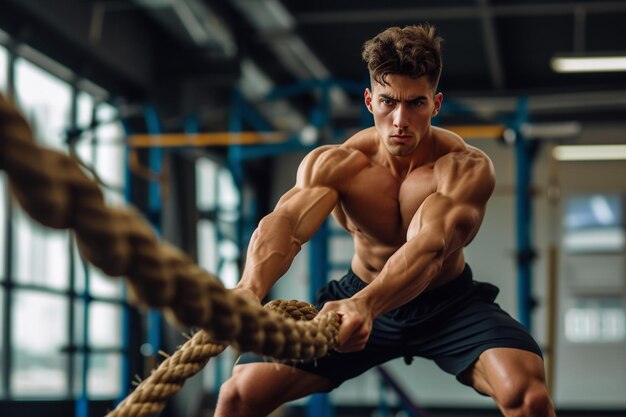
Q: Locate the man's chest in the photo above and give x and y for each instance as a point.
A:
(381, 206)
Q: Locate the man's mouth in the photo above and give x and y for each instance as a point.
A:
(401, 138)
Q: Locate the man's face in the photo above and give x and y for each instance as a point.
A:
(402, 111)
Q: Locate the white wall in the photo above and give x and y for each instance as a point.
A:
(591, 375)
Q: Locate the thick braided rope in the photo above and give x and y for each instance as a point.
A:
(52, 189)
(151, 395)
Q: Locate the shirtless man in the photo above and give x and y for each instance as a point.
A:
(412, 196)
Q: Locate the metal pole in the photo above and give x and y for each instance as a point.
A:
(524, 155)
(82, 403)
(125, 327)
(7, 329)
(553, 272)
(319, 404)
(155, 161)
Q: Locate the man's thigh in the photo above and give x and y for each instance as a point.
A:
(261, 383)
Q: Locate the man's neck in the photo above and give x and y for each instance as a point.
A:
(401, 166)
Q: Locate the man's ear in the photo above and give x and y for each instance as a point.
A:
(438, 101)
(367, 98)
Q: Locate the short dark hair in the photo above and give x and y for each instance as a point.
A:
(413, 51)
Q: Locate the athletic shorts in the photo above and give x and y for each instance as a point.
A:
(451, 325)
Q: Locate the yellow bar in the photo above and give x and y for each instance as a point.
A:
(467, 132)
(470, 132)
(205, 139)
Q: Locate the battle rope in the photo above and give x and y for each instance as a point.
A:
(150, 396)
(53, 189)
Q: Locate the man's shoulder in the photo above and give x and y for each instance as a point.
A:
(462, 159)
(334, 154)
(332, 164)
(358, 148)
(364, 141)
(467, 174)
(452, 149)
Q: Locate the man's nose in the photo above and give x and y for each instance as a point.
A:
(401, 117)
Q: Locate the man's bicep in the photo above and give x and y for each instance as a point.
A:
(446, 222)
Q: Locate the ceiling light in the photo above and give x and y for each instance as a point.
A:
(588, 63)
(589, 152)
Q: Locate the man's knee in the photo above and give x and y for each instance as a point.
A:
(236, 398)
(526, 400)
(230, 397)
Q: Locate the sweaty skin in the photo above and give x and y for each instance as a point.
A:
(411, 195)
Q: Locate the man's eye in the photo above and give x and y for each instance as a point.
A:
(387, 102)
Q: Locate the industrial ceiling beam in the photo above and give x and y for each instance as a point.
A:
(455, 13)
(492, 47)
(274, 23)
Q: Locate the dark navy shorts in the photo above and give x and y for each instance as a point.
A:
(451, 324)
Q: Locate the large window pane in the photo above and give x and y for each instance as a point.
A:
(110, 155)
(39, 333)
(103, 375)
(84, 110)
(45, 100)
(4, 58)
(594, 224)
(101, 285)
(206, 174)
(40, 255)
(207, 246)
(228, 197)
(104, 325)
(85, 103)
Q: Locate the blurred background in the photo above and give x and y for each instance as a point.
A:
(198, 112)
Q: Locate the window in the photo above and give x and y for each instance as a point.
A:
(218, 201)
(45, 101)
(104, 339)
(51, 287)
(40, 256)
(48, 247)
(596, 320)
(594, 268)
(99, 147)
(594, 223)
(38, 360)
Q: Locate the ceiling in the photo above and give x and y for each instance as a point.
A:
(191, 54)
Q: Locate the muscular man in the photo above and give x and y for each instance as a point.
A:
(412, 196)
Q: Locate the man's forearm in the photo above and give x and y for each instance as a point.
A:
(406, 275)
(270, 254)
(280, 236)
